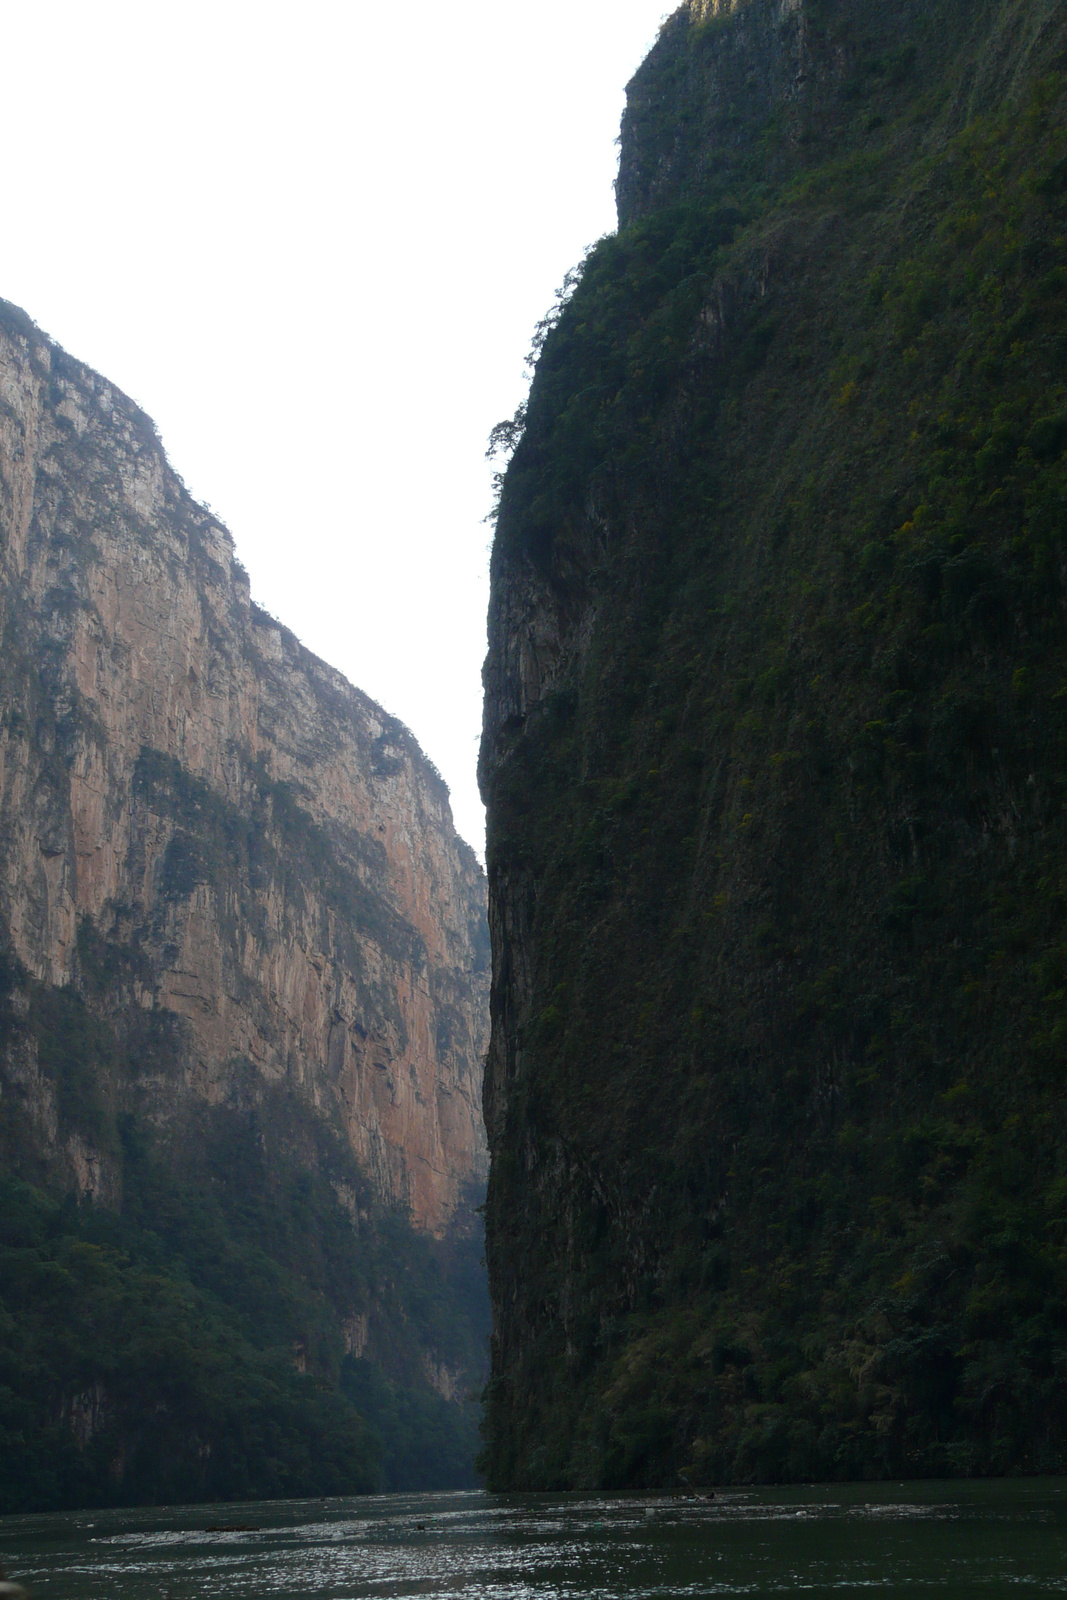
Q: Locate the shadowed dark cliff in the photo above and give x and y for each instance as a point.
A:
(775, 757)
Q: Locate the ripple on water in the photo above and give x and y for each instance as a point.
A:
(946, 1539)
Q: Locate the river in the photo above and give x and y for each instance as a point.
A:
(949, 1539)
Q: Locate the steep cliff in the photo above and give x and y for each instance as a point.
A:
(239, 931)
(775, 760)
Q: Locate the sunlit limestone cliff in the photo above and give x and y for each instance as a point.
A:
(244, 971)
(775, 759)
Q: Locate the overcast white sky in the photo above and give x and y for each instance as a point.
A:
(312, 241)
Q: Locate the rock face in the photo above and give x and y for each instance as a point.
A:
(774, 758)
(256, 851)
(752, 62)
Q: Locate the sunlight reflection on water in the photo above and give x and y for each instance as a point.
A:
(944, 1539)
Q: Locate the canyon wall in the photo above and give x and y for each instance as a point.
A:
(262, 852)
(774, 760)
(243, 1009)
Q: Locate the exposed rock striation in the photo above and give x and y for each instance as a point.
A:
(255, 850)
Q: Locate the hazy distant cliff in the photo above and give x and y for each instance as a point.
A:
(775, 761)
(179, 778)
(230, 887)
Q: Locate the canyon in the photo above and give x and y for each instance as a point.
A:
(231, 892)
(774, 763)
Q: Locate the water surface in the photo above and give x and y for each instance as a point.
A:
(945, 1539)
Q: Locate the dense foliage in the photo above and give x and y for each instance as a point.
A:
(122, 1380)
(782, 1190)
(187, 1340)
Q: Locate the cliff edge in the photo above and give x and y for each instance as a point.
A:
(264, 854)
(774, 759)
(243, 1006)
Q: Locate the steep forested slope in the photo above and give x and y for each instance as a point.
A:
(231, 1332)
(776, 761)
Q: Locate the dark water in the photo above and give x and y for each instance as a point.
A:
(944, 1539)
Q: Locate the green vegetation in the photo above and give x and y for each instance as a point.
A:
(122, 1381)
(231, 1309)
(425, 1444)
(190, 1347)
(187, 1341)
(781, 1191)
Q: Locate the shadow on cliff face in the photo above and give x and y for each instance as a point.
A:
(245, 1023)
(236, 1318)
(775, 756)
